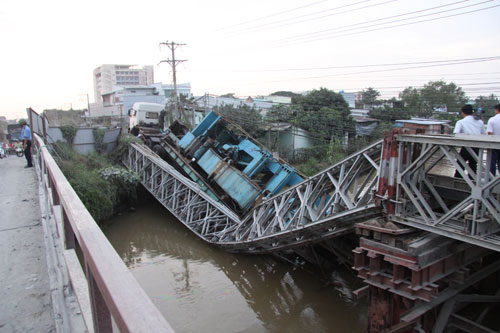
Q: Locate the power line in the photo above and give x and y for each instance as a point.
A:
(391, 69)
(370, 21)
(399, 25)
(261, 27)
(272, 15)
(357, 66)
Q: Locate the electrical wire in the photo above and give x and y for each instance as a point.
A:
(386, 70)
(272, 15)
(321, 32)
(263, 26)
(397, 25)
(355, 66)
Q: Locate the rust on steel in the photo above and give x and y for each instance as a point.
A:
(127, 302)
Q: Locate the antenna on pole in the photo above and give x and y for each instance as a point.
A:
(173, 63)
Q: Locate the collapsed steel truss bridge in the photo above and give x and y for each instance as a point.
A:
(401, 177)
(323, 206)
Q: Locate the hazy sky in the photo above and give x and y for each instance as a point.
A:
(50, 48)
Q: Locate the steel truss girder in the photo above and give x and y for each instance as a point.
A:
(321, 207)
(476, 217)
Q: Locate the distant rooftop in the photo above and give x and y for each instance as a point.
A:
(423, 121)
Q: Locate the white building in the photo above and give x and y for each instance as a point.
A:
(349, 97)
(119, 100)
(108, 76)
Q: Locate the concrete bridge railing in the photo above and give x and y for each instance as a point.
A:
(112, 290)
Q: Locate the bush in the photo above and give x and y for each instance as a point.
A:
(99, 139)
(122, 148)
(68, 133)
(102, 186)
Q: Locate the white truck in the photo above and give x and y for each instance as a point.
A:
(145, 114)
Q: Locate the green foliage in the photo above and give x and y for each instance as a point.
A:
(228, 95)
(487, 103)
(435, 94)
(63, 150)
(310, 167)
(323, 113)
(323, 97)
(99, 139)
(124, 181)
(382, 127)
(387, 113)
(68, 132)
(122, 147)
(102, 186)
(247, 117)
(369, 96)
(97, 194)
(281, 113)
(285, 94)
(335, 152)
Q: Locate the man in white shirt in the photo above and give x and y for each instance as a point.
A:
(468, 125)
(494, 129)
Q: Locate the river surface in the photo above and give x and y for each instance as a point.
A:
(200, 288)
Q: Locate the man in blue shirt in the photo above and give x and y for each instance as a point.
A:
(26, 139)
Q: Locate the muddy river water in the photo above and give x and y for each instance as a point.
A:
(200, 288)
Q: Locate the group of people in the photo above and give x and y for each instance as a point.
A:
(475, 125)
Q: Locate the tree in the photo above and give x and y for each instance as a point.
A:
(247, 117)
(369, 96)
(325, 113)
(317, 99)
(387, 113)
(440, 94)
(435, 94)
(228, 95)
(280, 113)
(285, 94)
(326, 123)
(487, 103)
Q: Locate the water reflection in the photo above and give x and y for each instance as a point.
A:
(200, 288)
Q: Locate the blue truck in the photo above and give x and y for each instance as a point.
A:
(225, 161)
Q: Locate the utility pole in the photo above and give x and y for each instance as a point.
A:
(173, 63)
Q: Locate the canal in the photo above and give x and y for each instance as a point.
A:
(200, 288)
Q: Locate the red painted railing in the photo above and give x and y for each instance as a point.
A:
(114, 292)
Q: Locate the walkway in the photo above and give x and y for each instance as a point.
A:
(25, 299)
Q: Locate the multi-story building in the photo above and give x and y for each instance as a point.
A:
(108, 76)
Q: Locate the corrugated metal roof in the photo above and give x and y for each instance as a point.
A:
(424, 121)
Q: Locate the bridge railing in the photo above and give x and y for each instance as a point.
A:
(113, 291)
(430, 186)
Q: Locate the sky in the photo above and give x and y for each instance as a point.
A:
(249, 48)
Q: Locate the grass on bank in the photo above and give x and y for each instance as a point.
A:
(102, 183)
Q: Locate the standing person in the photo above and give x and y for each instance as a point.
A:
(468, 125)
(494, 129)
(26, 139)
(6, 149)
(135, 130)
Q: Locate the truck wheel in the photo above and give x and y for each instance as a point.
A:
(158, 149)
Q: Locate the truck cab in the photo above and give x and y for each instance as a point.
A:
(145, 114)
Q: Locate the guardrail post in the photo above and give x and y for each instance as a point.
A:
(55, 195)
(100, 311)
(69, 235)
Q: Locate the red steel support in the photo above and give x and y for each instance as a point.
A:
(404, 268)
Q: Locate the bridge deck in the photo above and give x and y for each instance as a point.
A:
(25, 293)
